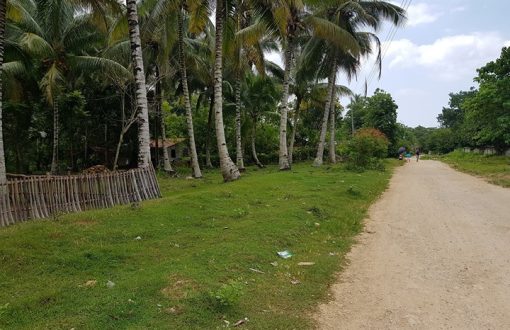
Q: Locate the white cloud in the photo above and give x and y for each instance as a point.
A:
(449, 58)
(422, 13)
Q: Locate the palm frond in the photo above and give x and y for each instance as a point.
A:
(51, 83)
(341, 38)
(108, 67)
(36, 45)
(14, 68)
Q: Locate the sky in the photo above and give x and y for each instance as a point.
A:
(437, 52)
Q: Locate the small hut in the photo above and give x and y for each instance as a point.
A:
(177, 148)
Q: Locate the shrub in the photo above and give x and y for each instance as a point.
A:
(366, 149)
(227, 295)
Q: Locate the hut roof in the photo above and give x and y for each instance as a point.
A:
(166, 142)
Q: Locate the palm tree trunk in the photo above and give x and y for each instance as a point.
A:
(229, 170)
(4, 189)
(117, 150)
(332, 127)
(122, 123)
(322, 139)
(54, 159)
(208, 162)
(144, 151)
(294, 129)
(239, 145)
(196, 173)
(283, 153)
(167, 166)
(3, 173)
(253, 149)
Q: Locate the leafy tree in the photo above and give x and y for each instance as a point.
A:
(366, 149)
(356, 111)
(405, 137)
(488, 110)
(453, 116)
(441, 140)
(381, 113)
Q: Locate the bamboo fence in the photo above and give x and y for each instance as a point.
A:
(38, 197)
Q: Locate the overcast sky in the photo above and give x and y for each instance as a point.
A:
(437, 52)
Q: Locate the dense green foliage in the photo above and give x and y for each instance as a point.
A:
(378, 111)
(68, 77)
(367, 149)
(480, 117)
(381, 113)
(191, 266)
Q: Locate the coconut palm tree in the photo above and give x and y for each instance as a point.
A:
(351, 17)
(144, 151)
(242, 57)
(332, 131)
(16, 10)
(187, 102)
(192, 17)
(229, 170)
(61, 42)
(259, 96)
(302, 87)
(288, 21)
(4, 192)
(3, 175)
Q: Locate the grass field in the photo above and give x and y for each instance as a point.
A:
(202, 257)
(495, 169)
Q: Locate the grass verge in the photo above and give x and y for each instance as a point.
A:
(494, 169)
(202, 257)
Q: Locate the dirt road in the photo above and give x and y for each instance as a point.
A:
(435, 255)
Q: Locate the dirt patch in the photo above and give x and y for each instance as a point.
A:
(179, 288)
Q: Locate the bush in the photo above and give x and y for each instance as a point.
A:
(227, 295)
(366, 149)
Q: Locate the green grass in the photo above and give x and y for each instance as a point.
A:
(495, 169)
(198, 241)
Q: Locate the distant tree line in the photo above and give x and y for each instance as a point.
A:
(479, 117)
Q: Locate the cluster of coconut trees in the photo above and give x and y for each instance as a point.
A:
(157, 41)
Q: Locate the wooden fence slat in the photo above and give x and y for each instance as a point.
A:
(33, 200)
(40, 197)
(5, 212)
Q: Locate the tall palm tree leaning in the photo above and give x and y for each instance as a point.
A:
(3, 174)
(229, 170)
(238, 78)
(289, 20)
(351, 17)
(332, 131)
(187, 102)
(144, 151)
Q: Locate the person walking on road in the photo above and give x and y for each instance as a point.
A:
(417, 154)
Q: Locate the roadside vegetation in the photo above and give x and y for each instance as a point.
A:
(203, 255)
(476, 119)
(495, 169)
